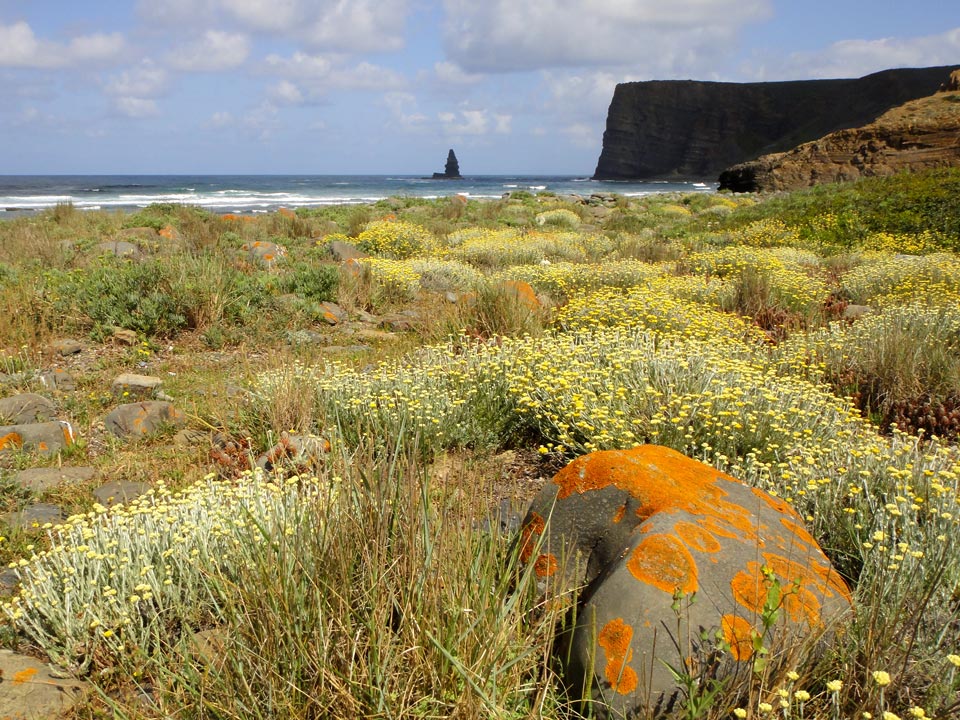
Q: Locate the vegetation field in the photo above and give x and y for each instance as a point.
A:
(807, 344)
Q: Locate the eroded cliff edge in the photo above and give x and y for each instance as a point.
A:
(918, 135)
(693, 129)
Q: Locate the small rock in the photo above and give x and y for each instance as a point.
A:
(9, 581)
(264, 253)
(342, 251)
(66, 346)
(39, 479)
(26, 408)
(120, 248)
(120, 491)
(371, 334)
(345, 349)
(139, 386)
(47, 437)
(190, 437)
(332, 313)
(295, 451)
(59, 380)
(34, 516)
(29, 690)
(124, 336)
(133, 420)
(306, 337)
(855, 312)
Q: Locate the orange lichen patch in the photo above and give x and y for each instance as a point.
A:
(663, 561)
(618, 515)
(268, 257)
(817, 573)
(525, 292)
(67, 433)
(287, 213)
(546, 565)
(738, 634)
(696, 537)
(169, 232)
(777, 504)
(535, 526)
(661, 480)
(615, 640)
(11, 440)
(750, 587)
(801, 604)
(42, 446)
(798, 531)
(24, 676)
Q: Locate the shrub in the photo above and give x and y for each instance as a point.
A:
(311, 281)
(561, 217)
(394, 239)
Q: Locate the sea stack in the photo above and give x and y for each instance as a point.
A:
(451, 170)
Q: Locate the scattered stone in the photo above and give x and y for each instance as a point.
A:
(294, 451)
(346, 349)
(400, 322)
(138, 386)
(9, 581)
(342, 251)
(120, 491)
(120, 248)
(46, 437)
(306, 337)
(66, 346)
(639, 528)
(124, 336)
(332, 313)
(58, 380)
(26, 408)
(40, 479)
(29, 689)
(33, 516)
(190, 437)
(855, 312)
(264, 253)
(143, 234)
(133, 420)
(374, 335)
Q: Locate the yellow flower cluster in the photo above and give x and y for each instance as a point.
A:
(909, 243)
(767, 233)
(563, 279)
(502, 248)
(885, 278)
(395, 239)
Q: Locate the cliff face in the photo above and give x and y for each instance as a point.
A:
(917, 135)
(693, 129)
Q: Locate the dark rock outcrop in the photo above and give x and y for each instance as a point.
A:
(451, 171)
(692, 129)
(918, 135)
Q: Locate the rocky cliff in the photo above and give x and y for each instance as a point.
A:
(917, 135)
(692, 129)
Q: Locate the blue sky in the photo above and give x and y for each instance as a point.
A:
(387, 86)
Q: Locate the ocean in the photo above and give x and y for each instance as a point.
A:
(23, 194)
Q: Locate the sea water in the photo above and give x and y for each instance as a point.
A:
(20, 194)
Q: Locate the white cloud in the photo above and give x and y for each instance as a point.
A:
(145, 81)
(220, 119)
(583, 135)
(214, 51)
(286, 93)
(473, 122)
(319, 73)
(855, 58)
(448, 73)
(321, 25)
(134, 107)
(404, 110)
(261, 122)
(505, 35)
(20, 47)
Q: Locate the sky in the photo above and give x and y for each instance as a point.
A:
(388, 86)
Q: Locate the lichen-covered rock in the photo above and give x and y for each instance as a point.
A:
(264, 253)
(26, 408)
(647, 528)
(45, 437)
(43, 478)
(139, 386)
(133, 420)
(29, 689)
(120, 248)
(58, 380)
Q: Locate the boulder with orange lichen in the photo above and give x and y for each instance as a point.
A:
(648, 530)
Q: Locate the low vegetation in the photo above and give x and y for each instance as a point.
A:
(808, 344)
